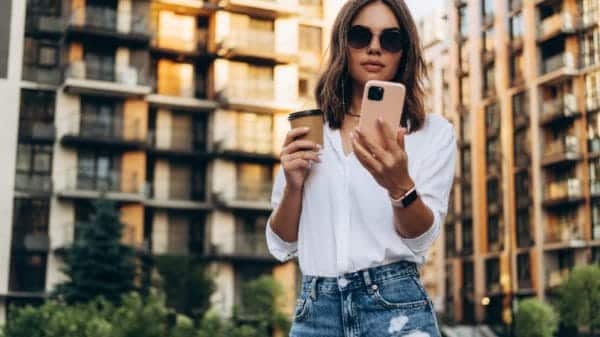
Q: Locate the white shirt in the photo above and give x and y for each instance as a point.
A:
(347, 219)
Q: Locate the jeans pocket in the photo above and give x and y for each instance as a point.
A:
(302, 308)
(404, 293)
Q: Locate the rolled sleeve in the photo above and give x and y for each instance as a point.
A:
(279, 248)
(433, 184)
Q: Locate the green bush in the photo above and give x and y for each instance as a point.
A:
(579, 298)
(535, 319)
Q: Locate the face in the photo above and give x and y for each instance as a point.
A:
(379, 58)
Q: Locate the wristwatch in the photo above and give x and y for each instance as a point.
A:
(404, 201)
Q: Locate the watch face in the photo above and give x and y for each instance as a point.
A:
(409, 198)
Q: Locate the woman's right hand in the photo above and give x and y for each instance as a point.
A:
(297, 157)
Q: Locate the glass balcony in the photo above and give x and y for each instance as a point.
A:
(257, 191)
(91, 129)
(558, 23)
(172, 140)
(38, 130)
(122, 186)
(559, 108)
(92, 77)
(107, 19)
(565, 190)
(33, 183)
(44, 24)
(559, 61)
(560, 150)
(566, 231)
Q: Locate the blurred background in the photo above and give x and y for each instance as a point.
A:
(172, 112)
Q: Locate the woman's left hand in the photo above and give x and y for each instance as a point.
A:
(387, 164)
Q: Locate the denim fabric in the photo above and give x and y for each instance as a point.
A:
(382, 301)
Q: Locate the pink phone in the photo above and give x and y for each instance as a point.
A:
(381, 99)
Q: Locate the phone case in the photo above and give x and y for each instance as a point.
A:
(389, 108)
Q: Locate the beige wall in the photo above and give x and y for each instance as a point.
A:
(9, 96)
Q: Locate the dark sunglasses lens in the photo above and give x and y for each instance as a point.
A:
(391, 41)
(359, 37)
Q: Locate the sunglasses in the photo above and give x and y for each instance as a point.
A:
(390, 39)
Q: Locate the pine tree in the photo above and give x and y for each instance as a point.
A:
(98, 264)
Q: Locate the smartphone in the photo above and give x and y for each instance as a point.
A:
(381, 99)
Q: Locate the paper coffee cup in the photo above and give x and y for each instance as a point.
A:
(312, 119)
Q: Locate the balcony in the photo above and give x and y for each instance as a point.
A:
(255, 148)
(119, 186)
(254, 95)
(90, 78)
(192, 46)
(32, 130)
(561, 151)
(564, 234)
(252, 45)
(555, 278)
(559, 110)
(245, 247)
(560, 23)
(33, 184)
(563, 193)
(109, 24)
(175, 194)
(92, 131)
(248, 196)
(588, 20)
(492, 276)
(45, 25)
(557, 68)
(265, 8)
(176, 145)
(311, 10)
(182, 94)
(595, 188)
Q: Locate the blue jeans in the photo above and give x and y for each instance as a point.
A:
(382, 301)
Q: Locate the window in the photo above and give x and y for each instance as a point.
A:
(494, 196)
(101, 14)
(467, 236)
(463, 23)
(467, 200)
(310, 39)
(489, 38)
(255, 132)
(175, 78)
(489, 80)
(465, 91)
(517, 70)
(29, 245)
(592, 91)
(254, 182)
(98, 171)
(524, 271)
(466, 163)
(595, 176)
(468, 276)
(176, 31)
(596, 221)
(34, 168)
(492, 274)
(488, 8)
(494, 233)
(44, 7)
(200, 133)
(516, 28)
(523, 222)
(522, 189)
(492, 120)
(521, 150)
(36, 116)
(515, 4)
(590, 48)
(101, 118)
(450, 240)
(100, 64)
(493, 156)
(520, 103)
(465, 125)
(250, 80)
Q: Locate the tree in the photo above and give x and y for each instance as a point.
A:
(579, 298)
(98, 264)
(186, 284)
(535, 319)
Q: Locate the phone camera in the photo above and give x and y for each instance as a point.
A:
(375, 93)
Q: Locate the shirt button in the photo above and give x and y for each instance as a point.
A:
(374, 287)
(342, 282)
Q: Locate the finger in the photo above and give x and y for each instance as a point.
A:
(298, 164)
(305, 155)
(387, 134)
(400, 137)
(300, 145)
(364, 156)
(294, 133)
(380, 153)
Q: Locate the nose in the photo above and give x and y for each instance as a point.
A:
(374, 46)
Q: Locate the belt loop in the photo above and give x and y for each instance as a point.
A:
(313, 288)
(368, 282)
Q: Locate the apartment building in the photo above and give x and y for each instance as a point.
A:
(175, 108)
(433, 31)
(525, 97)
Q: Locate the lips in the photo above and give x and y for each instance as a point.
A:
(372, 65)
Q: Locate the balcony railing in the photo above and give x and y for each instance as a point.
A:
(567, 189)
(560, 22)
(33, 183)
(94, 128)
(251, 40)
(173, 190)
(556, 62)
(125, 75)
(566, 146)
(196, 43)
(174, 140)
(561, 106)
(245, 88)
(109, 20)
(554, 278)
(45, 23)
(37, 129)
(256, 191)
(110, 181)
(247, 244)
(563, 232)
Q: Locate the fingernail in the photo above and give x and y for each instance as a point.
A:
(305, 128)
(379, 120)
(319, 147)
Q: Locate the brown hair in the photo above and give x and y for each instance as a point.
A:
(334, 88)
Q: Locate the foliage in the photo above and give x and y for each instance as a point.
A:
(535, 319)
(579, 298)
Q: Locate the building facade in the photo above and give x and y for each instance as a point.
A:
(175, 108)
(525, 95)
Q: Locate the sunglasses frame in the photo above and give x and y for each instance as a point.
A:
(394, 31)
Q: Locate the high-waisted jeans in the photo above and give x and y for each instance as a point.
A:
(381, 301)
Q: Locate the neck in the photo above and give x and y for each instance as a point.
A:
(356, 99)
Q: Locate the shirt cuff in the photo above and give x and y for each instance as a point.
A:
(280, 249)
(420, 244)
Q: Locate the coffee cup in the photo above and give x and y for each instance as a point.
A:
(313, 119)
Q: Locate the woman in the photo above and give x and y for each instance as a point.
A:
(359, 216)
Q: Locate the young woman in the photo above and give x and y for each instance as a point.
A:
(361, 216)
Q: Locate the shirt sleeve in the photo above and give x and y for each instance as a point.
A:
(279, 248)
(433, 184)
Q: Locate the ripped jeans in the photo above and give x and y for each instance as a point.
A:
(381, 301)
